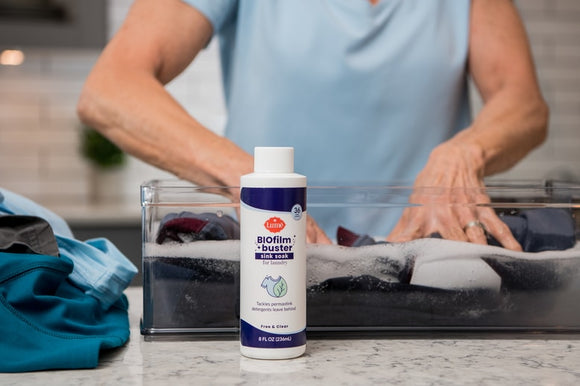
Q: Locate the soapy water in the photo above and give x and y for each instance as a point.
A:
(436, 263)
(422, 283)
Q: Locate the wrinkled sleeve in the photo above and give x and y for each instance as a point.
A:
(220, 13)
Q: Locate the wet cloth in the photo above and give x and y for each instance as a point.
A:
(537, 230)
(187, 227)
(99, 268)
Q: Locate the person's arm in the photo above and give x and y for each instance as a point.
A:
(125, 99)
(514, 117)
(512, 122)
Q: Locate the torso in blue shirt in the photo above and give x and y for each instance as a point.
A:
(363, 93)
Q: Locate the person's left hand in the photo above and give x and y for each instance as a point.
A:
(315, 234)
(449, 193)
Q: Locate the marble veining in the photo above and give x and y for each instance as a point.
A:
(524, 360)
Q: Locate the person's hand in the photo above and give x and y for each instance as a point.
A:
(451, 200)
(314, 234)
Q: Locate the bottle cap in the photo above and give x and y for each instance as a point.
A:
(274, 160)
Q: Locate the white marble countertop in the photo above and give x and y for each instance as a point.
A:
(437, 360)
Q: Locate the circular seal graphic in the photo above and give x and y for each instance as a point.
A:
(296, 212)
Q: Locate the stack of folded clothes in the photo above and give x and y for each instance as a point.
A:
(61, 299)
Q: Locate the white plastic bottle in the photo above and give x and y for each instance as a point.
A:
(273, 257)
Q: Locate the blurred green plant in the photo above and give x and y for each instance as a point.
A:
(99, 151)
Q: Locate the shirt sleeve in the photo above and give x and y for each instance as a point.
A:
(220, 13)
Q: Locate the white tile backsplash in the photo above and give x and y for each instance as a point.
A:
(39, 138)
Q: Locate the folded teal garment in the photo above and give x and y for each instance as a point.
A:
(49, 323)
(100, 269)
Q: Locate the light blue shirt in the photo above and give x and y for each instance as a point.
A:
(100, 269)
(363, 93)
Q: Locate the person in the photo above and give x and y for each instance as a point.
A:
(367, 91)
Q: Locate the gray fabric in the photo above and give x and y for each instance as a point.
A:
(27, 234)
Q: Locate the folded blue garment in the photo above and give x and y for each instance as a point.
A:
(49, 323)
(100, 269)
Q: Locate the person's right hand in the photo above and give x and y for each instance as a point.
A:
(450, 200)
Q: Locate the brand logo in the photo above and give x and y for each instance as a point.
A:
(274, 224)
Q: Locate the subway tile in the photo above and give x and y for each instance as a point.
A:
(538, 170)
(567, 5)
(568, 154)
(569, 132)
(565, 118)
(37, 138)
(66, 125)
(42, 86)
(567, 98)
(27, 187)
(61, 113)
(533, 5)
(563, 30)
(569, 51)
(65, 163)
(561, 66)
(71, 62)
(15, 111)
(542, 52)
(15, 164)
(38, 187)
(565, 146)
